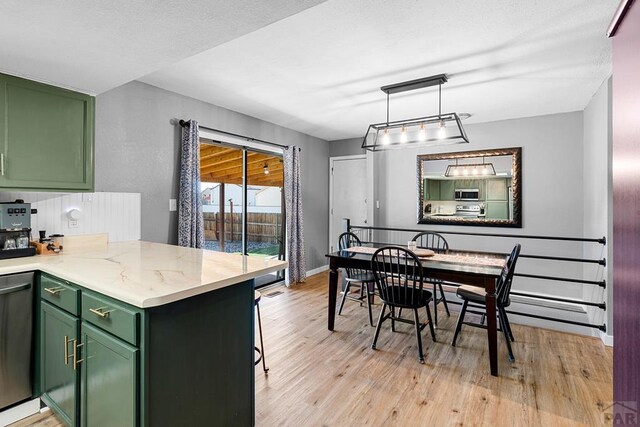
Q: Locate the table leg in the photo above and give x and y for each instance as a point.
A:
(492, 328)
(333, 293)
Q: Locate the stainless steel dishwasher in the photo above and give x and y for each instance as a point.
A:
(16, 342)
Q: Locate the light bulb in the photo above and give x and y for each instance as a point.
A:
(442, 130)
(422, 133)
(266, 169)
(385, 137)
(403, 135)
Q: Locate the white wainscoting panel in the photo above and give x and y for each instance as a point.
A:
(117, 214)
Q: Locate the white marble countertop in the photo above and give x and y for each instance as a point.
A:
(146, 274)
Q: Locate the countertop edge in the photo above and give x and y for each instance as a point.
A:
(143, 303)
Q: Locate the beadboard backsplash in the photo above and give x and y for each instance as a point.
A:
(117, 214)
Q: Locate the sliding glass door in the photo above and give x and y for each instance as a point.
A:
(230, 175)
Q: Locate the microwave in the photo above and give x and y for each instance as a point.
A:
(466, 194)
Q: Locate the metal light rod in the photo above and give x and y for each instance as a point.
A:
(438, 79)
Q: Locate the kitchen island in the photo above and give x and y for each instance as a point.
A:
(139, 333)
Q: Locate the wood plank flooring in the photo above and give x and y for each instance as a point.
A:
(322, 378)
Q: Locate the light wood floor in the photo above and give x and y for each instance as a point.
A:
(322, 378)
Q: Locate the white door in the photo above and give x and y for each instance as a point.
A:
(348, 194)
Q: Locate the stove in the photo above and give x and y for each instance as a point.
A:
(468, 210)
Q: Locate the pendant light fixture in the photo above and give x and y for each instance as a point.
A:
(438, 129)
(266, 168)
(470, 169)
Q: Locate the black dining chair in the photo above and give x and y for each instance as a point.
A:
(362, 278)
(399, 278)
(438, 244)
(476, 296)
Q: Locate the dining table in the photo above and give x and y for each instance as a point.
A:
(482, 269)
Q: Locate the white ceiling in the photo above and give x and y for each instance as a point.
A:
(94, 46)
(316, 66)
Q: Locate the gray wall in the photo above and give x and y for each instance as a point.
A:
(553, 190)
(137, 149)
(346, 147)
(598, 197)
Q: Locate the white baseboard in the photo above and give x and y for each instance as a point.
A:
(317, 270)
(606, 339)
(19, 412)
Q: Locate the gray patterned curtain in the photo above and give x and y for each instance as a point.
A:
(293, 212)
(190, 222)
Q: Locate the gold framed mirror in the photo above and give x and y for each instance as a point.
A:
(482, 187)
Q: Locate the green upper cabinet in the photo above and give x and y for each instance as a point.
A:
(446, 189)
(433, 189)
(497, 189)
(46, 137)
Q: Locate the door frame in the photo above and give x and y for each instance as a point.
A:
(331, 162)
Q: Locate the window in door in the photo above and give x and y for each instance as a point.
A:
(223, 187)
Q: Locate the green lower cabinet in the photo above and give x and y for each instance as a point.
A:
(497, 210)
(109, 380)
(59, 380)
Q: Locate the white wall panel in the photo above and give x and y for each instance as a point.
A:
(117, 214)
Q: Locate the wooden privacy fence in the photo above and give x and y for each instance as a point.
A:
(261, 226)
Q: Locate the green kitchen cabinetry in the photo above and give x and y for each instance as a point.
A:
(497, 189)
(433, 189)
(106, 363)
(59, 380)
(46, 137)
(109, 380)
(447, 188)
(497, 210)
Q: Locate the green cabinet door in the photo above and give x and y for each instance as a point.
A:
(497, 210)
(59, 381)
(433, 189)
(446, 189)
(109, 380)
(497, 189)
(46, 137)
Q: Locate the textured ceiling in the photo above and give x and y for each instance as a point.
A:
(94, 46)
(317, 66)
(319, 71)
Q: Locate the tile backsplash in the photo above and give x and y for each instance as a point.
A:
(117, 214)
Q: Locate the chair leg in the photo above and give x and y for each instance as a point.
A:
(433, 332)
(503, 313)
(416, 322)
(506, 338)
(380, 320)
(344, 297)
(444, 300)
(264, 363)
(393, 315)
(435, 304)
(369, 304)
(459, 323)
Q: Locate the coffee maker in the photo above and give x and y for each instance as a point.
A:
(15, 230)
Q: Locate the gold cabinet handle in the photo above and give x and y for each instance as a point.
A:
(66, 350)
(100, 311)
(75, 354)
(54, 291)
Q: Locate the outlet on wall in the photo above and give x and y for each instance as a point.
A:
(173, 205)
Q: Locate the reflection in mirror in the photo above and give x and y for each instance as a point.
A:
(471, 188)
